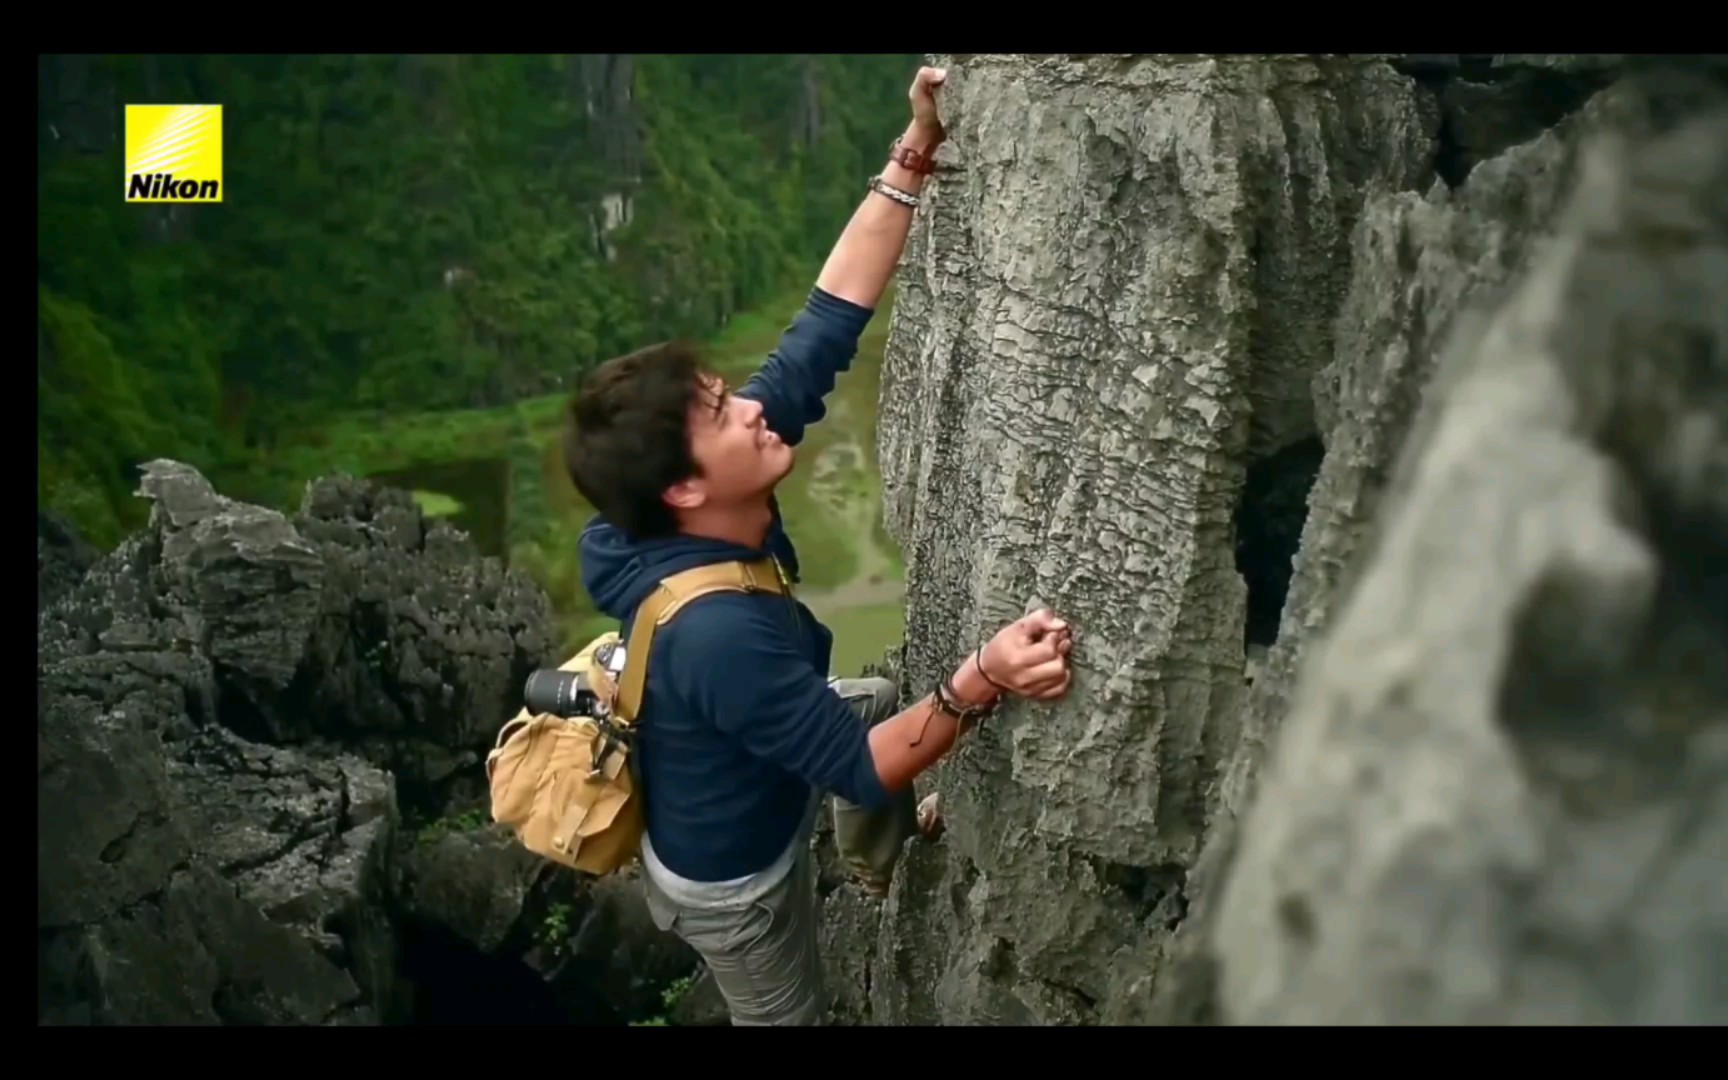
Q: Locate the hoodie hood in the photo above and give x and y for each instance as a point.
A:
(619, 572)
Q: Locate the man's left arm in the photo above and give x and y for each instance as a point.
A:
(802, 369)
(823, 339)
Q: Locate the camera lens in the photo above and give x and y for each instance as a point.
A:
(553, 691)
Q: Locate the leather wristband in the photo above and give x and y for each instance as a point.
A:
(948, 700)
(912, 160)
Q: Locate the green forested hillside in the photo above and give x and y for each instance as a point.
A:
(404, 235)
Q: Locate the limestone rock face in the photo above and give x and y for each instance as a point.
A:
(1148, 302)
(1500, 794)
(1127, 274)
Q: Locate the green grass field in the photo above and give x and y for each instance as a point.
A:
(498, 475)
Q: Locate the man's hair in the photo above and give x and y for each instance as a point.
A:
(627, 434)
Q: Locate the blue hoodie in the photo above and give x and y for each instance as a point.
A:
(738, 722)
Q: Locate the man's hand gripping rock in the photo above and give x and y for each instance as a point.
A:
(1028, 658)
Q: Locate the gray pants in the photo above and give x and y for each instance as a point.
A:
(766, 957)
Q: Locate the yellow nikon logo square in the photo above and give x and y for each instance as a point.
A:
(174, 153)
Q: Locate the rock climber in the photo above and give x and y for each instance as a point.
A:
(742, 727)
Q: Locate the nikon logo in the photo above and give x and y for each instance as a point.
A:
(174, 153)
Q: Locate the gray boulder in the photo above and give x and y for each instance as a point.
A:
(248, 728)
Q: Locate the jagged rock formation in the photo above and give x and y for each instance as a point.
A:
(1501, 790)
(259, 741)
(1145, 290)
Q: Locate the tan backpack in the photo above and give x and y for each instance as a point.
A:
(566, 783)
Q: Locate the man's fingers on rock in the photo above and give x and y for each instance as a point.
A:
(1045, 672)
(1039, 652)
(1041, 690)
(1044, 621)
(1040, 622)
(1055, 690)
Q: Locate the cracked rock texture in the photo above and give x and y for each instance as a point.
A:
(260, 794)
(231, 705)
(418, 648)
(1138, 280)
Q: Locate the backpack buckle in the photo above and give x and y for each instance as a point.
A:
(606, 741)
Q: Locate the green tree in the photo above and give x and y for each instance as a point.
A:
(406, 233)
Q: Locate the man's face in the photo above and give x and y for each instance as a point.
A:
(740, 459)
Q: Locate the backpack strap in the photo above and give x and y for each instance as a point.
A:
(666, 601)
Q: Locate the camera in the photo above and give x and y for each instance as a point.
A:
(568, 693)
(561, 693)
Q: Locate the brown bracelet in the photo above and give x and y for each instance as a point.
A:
(966, 718)
(948, 700)
(978, 662)
(912, 160)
